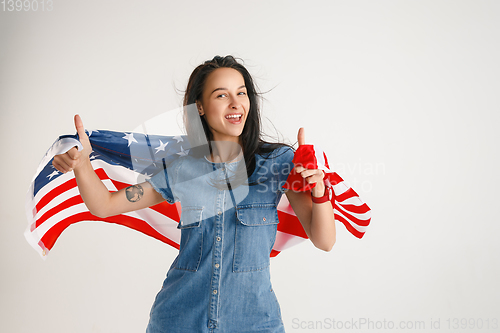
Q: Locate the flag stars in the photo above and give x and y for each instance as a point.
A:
(161, 147)
(55, 173)
(183, 152)
(130, 138)
(90, 132)
(178, 138)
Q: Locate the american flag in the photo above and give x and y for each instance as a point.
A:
(121, 159)
(348, 207)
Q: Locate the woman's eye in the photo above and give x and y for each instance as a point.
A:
(222, 95)
(242, 93)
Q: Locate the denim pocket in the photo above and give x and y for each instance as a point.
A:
(191, 239)
(255, 235)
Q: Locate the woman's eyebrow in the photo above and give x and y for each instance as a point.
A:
(216, 89)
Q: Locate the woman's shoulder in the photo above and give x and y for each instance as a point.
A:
(279, 149)
(274, 148)
(277, 152)
(180, 162)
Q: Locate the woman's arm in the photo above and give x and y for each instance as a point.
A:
(317, 219)
(96, 196)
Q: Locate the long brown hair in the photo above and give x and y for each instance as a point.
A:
(251, 137)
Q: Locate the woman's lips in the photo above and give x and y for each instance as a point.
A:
(234, 118)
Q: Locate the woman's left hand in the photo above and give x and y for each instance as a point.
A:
(318, 220)
(311, 176)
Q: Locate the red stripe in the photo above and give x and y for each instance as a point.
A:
(353, 219)
(326, 160)
(172, 211)
(355, 209)
(274, 253)
(290, 224)
(140, 225)
(101, 173)
(335, 178)
(119, 185)
(349, 227)
(53, 233)
(68, 185)
(350, 193)
(62, 206)
(164, 208)
(71, 201)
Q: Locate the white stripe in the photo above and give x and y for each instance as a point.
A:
(285, 206)
(56, 201)
(355, 226)
(356, 201)
(53, 184)
(161, 223)
(117, 172)
(340, 188)
(285, 241)
(320, 158)
(360, 216)
(59, 216)
(67, 195)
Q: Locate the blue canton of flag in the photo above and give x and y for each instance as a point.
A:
(145, 154)
(120, 159)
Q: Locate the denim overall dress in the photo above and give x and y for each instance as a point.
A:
(220, 280)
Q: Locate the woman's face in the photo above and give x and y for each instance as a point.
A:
(225, 104)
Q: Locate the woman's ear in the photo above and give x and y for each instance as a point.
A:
(200, 109)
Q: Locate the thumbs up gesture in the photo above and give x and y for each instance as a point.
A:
(74, 159)
(311, 176)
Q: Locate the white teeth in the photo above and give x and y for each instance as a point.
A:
(233, 116)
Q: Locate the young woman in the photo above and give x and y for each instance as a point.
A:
(229, 188)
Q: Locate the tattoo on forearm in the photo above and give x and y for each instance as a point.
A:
(134, 193)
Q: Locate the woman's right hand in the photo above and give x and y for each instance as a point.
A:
(94, 193)
(74, 159)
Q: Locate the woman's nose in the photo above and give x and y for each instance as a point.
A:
(235, 104)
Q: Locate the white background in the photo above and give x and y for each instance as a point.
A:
(402, 95)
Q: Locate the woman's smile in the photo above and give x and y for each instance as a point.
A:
(234, 118)
(225, 104)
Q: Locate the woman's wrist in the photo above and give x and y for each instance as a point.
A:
(319, 194)
(319, 190)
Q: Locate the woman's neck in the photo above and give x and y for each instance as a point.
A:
(225, 151)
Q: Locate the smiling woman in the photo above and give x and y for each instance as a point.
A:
(229, 189)
(225, 104)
